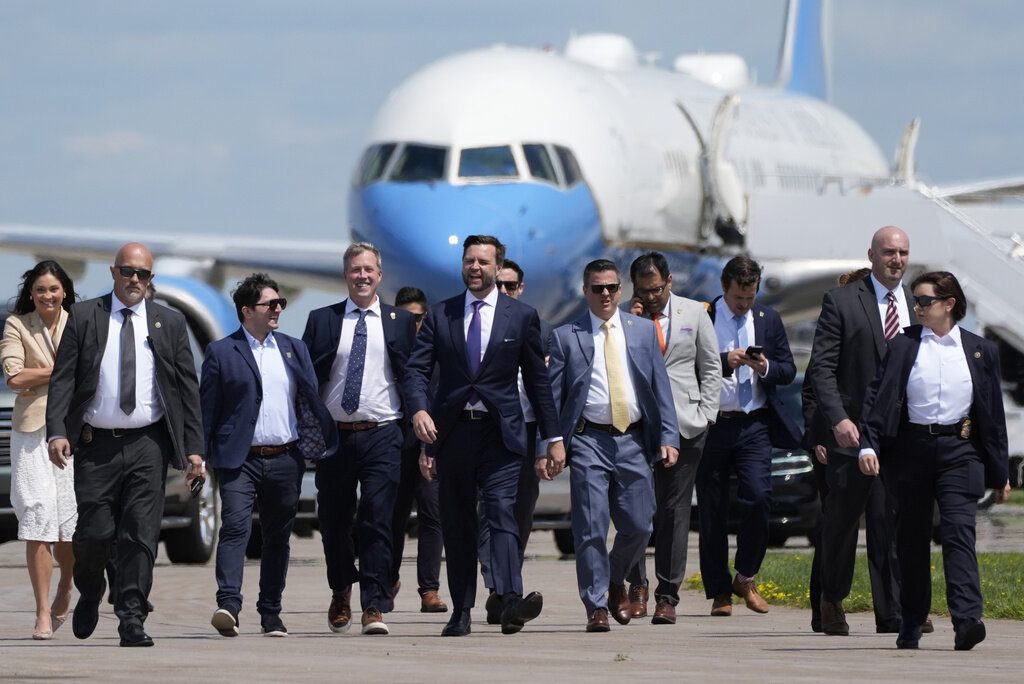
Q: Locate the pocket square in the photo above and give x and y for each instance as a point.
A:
(685, 330)
(509, 339)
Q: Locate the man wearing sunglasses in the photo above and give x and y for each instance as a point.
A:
(359, 347)
(124, 403)
(617, 419)
(263, 420)
(850, 341)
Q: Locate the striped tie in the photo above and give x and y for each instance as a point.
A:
(892, 319)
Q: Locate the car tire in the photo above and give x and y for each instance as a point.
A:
(564, 541)
(195, 543)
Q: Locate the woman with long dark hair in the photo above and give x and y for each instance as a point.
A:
(43, 496)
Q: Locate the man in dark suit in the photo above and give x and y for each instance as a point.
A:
(359, 348)
(263, 418)
(756, 359)
(850, 341)
(124, 402)
(475, 431)
(617, 419)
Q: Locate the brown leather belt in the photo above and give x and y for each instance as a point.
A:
(361, 425)
(741, 414)
(271, 450)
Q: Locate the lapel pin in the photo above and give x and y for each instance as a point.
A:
(629, 322)
(288, 354)
(761, 314)
(392, 315)
(157, 324)
(977, 355)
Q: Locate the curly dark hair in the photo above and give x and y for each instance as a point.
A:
(249, 290)
(23, 304)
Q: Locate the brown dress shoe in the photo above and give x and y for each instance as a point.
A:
(373, 622)
(722, 605)
(926, 627)
(598, 621)
(664, 614)
(748, 592)
(618, 603)
(833, 619)
(638, 600)
(432, 603)
(339, 615)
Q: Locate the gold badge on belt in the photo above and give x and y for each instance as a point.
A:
(965, 429)
(87, 434)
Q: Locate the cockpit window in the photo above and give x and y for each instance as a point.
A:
(487, 162)
(374, 160)
(539, 161)
(420, 163)
(570, 166)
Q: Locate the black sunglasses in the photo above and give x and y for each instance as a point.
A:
(273, 304)
(507, 285)
(128, 272)
(611, 287)
(924, 301)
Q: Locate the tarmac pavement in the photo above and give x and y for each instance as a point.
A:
(778, 646)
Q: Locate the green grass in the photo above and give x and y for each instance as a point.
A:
(783, 580)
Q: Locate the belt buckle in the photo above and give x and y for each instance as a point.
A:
(931, 429)
(117, 432)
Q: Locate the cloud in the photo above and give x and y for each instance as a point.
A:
(105, 144)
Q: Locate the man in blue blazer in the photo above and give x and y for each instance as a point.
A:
(617, 420)
(751, 420)
(359, 348)
(263, 418)
(474, 428)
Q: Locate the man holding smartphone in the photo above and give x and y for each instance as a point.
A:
(756, 359)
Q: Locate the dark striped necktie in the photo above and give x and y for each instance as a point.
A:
(892, 318)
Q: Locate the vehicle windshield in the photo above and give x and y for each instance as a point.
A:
(487, 162)
(374, 160)
(417, 163)
(540, 163)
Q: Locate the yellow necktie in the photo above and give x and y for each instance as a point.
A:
(616, 380)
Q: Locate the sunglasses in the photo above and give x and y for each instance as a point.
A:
(611, 287)
(273, 304)
(924, 301)
(128, 272)
(507, 285)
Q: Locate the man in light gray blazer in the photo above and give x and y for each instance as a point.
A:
(687, 340)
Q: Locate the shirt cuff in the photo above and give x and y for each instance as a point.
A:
(765, 374)
(866, 452)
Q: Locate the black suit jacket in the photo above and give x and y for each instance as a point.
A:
(849, 345)
(770, 334)
(885, 403)
(76, 374)
(515, 343)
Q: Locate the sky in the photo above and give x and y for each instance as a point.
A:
(247, 117)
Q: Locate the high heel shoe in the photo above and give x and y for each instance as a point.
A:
(56, 621)
(42, 634)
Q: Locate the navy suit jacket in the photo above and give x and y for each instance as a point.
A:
(885, 403)
(515, 343)
(770, 334)
(572, 364)
(231, 392)
(323, 334)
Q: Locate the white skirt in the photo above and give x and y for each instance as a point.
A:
(43, 495)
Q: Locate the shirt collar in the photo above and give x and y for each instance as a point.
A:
(490, 300)
(881, 291)
(374, 308)
(596, 323)
(269, 343)
(952, 338)
(724, 310)
(116, 305)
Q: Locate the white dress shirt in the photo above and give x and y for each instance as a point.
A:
(939, 389)
(486, 323)
(104, 411)
(598, 408)
(883, 302)
(725, 331)
(276, 422)
(378, 395)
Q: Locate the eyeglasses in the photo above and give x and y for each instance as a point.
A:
(507, 285)
(128, 272)
(273, 304)
(654, 291)
(611, 287)
(924, 301)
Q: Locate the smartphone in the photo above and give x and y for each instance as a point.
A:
(196, 486)
(754, 350)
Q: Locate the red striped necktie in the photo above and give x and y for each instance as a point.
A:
(892, 318)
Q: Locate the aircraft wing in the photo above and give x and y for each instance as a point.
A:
(214, 258)
(982, 191)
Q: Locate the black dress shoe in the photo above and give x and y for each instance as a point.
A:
(909, 637)
(85, 617)
(519, 611)
(459, 624)
(134, 635)
(969, 635)
(493, 607)
(889, 627)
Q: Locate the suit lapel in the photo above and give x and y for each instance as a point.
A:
(585, 339)
(908, 297)
(499, 324)
(869, 303)
(455, 312)
(36, 329)
(242, 347)
(759, 322)
(335, 322)
(634, 347)
(975, 362)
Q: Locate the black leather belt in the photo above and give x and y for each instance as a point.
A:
(936, 428)
(474, 414)
(610, 429)
(361, 425)
(271, 450)
(90, 433)
(741, 414)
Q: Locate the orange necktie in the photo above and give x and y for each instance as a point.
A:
(661, 335)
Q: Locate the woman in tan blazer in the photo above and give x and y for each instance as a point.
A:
(43, 496)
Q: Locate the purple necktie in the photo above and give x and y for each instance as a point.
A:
(473, 346)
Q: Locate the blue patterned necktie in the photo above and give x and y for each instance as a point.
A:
(743, 373)
(356, 361)
(473, 344)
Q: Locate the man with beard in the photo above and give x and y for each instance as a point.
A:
(474, 428)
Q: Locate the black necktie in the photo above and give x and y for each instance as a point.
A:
(127, 363)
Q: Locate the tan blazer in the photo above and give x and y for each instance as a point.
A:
(24, 346)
